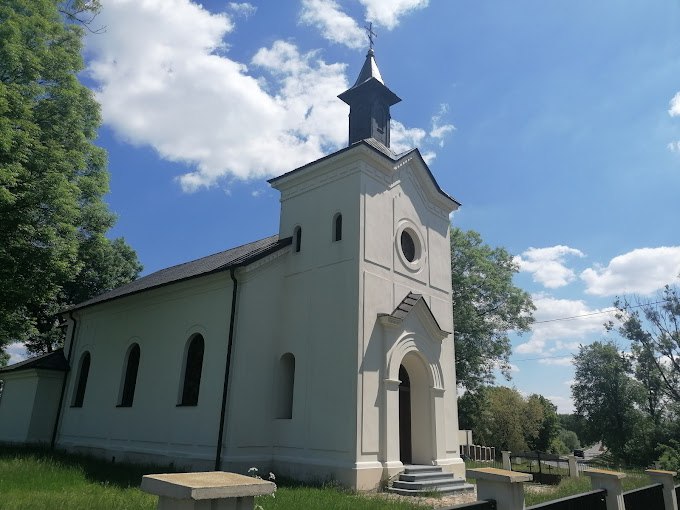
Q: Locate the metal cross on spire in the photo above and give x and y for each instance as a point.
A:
(371, 34)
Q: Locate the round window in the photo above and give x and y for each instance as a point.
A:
(408, 246)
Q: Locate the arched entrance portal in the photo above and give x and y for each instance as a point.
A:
(404, 416)
(416, 424)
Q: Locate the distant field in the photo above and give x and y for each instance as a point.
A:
(36, 479)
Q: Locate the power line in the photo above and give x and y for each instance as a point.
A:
(609, 310)
(579, 317)
(542, 357)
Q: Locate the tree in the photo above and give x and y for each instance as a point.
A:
(654, 329)
(52, 176)
(569, 439)
(507, 420)
(605, 394)
(486, 305)
(548, 428)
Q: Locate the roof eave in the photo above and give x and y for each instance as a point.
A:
(280, 244)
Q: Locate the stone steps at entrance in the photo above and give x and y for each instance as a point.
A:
(424, 480)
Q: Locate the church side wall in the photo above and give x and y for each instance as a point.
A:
(47, 395)
(154, 428)
(17, 405)
(250, 428)
(318, 324)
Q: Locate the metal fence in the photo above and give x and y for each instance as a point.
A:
(545, 468)
(593, 500)
(646, 498)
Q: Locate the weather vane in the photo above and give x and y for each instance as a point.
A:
(371, 34)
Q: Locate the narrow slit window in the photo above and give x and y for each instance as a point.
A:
(337, 227)
(285, 387)
(297, 238)
(192, 371)
(83, 373)
(130, 381)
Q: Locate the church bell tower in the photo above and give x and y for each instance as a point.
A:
(369, 102)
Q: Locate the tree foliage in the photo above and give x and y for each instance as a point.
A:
(569, 439)
(53, 249)
(605, 394)
(500, 416)
(653, 327)
(549, 423)
(486, 306)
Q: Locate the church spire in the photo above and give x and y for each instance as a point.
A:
(369, 102)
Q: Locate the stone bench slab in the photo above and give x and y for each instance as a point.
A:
(208, 485)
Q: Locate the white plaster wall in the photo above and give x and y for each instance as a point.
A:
(318, 322)
(47, 396)
(17, 404)
(160, 321)
(28, 405)
(393, 199)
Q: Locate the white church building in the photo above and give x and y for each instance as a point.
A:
(325, 351)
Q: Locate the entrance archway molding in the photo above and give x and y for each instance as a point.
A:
(415, 349)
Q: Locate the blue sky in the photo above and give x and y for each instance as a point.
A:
(556, 124)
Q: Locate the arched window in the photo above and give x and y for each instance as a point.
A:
(131, 367)
(83, 372)
(192, 371)
(297, 238)
(337, 227)
(286, 383)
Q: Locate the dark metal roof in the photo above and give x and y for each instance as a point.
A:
(54, 360)
(235, 257)
(407, 304)
(381, 149)
(369, 70)
(369, 80)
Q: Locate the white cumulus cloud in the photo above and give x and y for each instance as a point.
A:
(403, 138)
(244, 9)
(549, 337)
(387, 13)
(440, 130)
(674, 146)
(641, 271)
(336, 26)
(164, 79)
(333, 24)
(674, 109)
(565, 405)
(547, 265)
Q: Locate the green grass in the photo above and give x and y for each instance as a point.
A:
(573, 486)
(37, 478)
(304, 497)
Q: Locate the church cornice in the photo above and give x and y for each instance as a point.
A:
(314, 174)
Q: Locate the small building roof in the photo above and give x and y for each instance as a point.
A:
(54, 360)
(404, 308)
(222, 261)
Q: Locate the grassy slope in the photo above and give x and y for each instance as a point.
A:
(35, 479)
